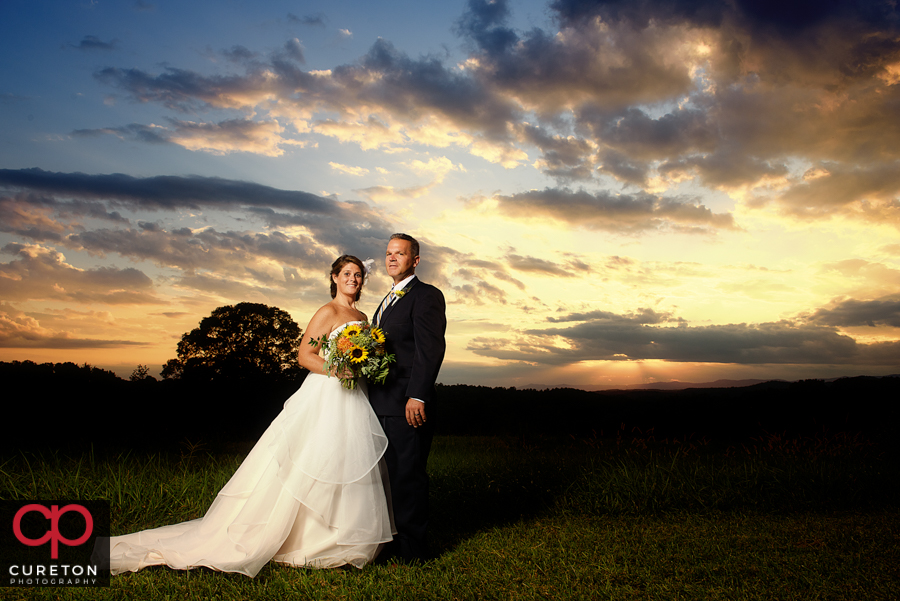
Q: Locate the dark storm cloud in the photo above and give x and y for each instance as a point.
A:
(617, 213)
(634, 337)
(92, 42)
(852, 312)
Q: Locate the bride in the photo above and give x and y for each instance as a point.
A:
(312, 492)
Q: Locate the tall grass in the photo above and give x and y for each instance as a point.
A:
(628, 517)
(772, 473)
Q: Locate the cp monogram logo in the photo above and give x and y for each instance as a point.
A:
(53, 514)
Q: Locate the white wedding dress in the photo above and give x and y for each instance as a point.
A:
(312, 492)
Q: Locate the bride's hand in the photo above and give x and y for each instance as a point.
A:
(344, 373)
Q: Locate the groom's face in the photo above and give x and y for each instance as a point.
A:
(399, 260)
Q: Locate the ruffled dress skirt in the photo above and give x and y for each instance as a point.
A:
(313, 492)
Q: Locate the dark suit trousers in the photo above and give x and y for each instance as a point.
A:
(406, 458)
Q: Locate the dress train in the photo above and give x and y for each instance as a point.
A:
(312, 492)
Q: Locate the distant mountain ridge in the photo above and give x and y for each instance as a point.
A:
(677, 385)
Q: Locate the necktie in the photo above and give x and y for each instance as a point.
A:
(384, 305)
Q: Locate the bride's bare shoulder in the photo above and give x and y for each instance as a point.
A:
(323, 321)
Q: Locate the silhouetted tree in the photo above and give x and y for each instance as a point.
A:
(244, 342)
(140, 372)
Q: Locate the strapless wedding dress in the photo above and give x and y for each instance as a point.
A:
(312, 492)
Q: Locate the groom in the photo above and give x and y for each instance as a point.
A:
(413, 318)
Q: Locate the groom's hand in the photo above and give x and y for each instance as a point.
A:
(415, 413)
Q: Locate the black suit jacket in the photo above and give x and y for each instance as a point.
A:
(414, 326)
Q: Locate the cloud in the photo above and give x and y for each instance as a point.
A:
(870, 192)
(165, 192)
(390, 193)
(91, 42)
(606, 336)
(232, 135)
(541, 266)
(853, 312)
(735, 96)
(565, 158)
(315, 229)
(385, 88)
(239, 254)
(437, 167)
(240, 54)
(354, 171)
(21, 330)
(29, 220)
(870, 279)
(616, 213)
(317, 20)
(150, 134)
(41, 273)
(294, 49)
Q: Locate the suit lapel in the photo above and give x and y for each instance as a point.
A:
(405, 291)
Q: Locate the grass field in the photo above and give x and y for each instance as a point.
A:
(616, 518)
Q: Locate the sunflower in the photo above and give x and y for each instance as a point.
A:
(351, 331)
(378, 335)
(358, 355)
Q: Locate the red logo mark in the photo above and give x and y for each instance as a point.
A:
(53, 514)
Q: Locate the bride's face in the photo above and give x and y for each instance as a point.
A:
(349, 280)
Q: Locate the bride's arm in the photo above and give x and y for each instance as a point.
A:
(320, 325)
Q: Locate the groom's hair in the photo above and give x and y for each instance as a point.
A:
(336, 268)
(411, 240)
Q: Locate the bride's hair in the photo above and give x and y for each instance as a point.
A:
(336, 269)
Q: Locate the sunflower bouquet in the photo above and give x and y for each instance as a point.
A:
(358, 351)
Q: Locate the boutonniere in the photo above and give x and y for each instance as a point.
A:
(400, 293)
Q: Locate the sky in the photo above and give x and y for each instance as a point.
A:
(608, 193)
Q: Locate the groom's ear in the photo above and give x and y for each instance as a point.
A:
(416, 262)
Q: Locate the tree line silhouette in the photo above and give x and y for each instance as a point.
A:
(64, 404)
(235, 371)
